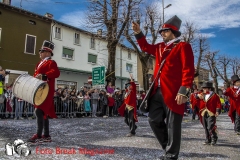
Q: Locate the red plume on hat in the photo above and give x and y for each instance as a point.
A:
(47, 46)
(173, 24)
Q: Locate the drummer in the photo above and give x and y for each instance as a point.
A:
(45, 70)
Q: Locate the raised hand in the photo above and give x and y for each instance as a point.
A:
(136, 27)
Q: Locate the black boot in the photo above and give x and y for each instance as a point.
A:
(207, 141)
(214, 138)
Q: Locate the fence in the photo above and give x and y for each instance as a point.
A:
(64, 109)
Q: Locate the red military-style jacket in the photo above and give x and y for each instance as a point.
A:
(130, 101)
(234, 101)
(211, 105)
(177, 71)
(50, 69)
(194, 100)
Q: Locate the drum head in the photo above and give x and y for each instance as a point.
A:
(41, 94)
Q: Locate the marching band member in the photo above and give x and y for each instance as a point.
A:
(195, 103)
(234, 98)
(45, 70)
(210, 108)
(172, 88)
(129, 107)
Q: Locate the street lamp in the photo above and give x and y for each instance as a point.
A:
(165, 8)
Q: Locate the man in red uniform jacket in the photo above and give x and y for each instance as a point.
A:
(129, 108)
(45, 70)
(195, 104)
(172, 88)
(210, 108)
(234, 99)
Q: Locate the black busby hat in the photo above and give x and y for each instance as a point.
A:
(47, 46)
(173, 24)
(207, 85)
(235, 78)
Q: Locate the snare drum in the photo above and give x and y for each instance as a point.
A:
(30, 89)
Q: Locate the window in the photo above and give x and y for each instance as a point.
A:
(129, 67)
(129, 55)
(67, 53)
(92, 58)
(150, 63)
(92, 45)
(76, 38)
(30, 44)
(57, 32)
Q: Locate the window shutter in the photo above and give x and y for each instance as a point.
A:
(67, 51)
(92, 58)
(30, 45)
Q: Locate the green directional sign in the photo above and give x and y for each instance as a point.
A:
(98, 75)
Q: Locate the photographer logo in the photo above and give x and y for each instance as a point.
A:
(17, 147)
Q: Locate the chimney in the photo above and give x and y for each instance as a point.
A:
(99, 32)
(49, 15)
(8, 2)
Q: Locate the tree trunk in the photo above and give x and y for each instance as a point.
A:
(145, 76)
(216, 85)
(110, 74)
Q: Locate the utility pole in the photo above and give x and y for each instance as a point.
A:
(164, 8)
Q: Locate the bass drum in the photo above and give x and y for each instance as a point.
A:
(30, 89)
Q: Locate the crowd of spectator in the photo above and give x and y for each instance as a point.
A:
(70, 103)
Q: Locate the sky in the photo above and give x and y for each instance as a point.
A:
(219, 20)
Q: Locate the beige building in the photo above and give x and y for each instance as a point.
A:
(151, 64)
(203, 76)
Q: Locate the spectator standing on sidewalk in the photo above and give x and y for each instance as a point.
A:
(87, 107)
(18, 108)
(95, 99)
(111, 103)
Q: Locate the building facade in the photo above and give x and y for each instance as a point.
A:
(78, 51)
(202, 77)
(21, 36)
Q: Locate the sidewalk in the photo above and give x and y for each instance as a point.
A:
(104, 139)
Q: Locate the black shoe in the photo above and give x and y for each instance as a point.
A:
(130, 135)
(207, 142)
(214, 141)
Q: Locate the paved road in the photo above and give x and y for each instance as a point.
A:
(105, 140)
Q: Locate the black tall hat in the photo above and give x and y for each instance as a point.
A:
(234, 78)
(47, 46)
(174, 24)
(207, 85)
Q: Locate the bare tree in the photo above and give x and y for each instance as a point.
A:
(151, 23)
(223, 68)
(210, 59)
(112, 17)
(235, 65)
(198, 42)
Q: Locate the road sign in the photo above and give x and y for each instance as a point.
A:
(98, 75)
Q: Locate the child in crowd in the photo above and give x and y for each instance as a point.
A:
(110, 104)
(87, 106)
